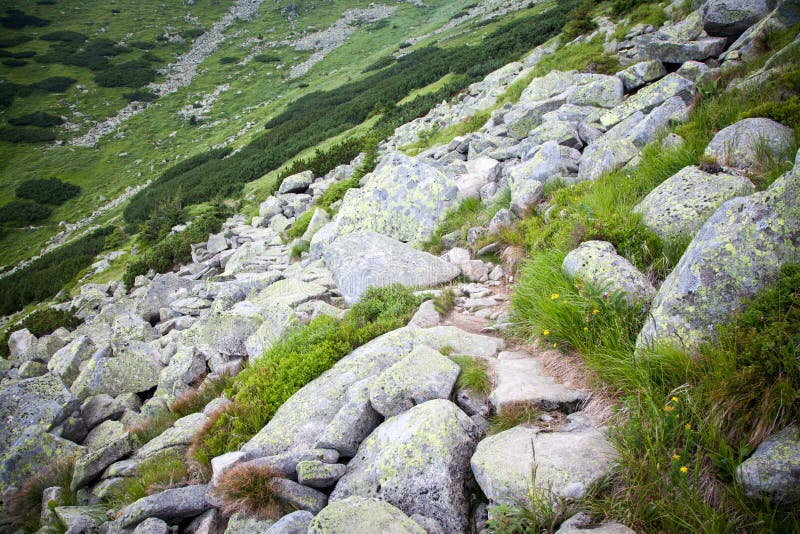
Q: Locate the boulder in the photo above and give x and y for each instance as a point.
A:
(678, 51)
(354, 421)
(296, 183)
(682, 203)
(216, 243)
(597, 263)
(746, 144)
(66, 362)
(269, 208)
(21, 343)
(317, 474)
(164, 289)
(360, 260)
(582, 523)
(279, 319)
(254, 257)
(730, 18)
(649, 98)
(562, 132)
(426, 315)
(566, 464)
(169, 505)
(737, 252)
(151, 525)
(179, 436)
(403, 198)
(115, 375)
(527, 179)
(186, 367)
(31, 451)
(80, 518)
(417, 461)
(773, 471)
(89, 466)
(658, 120)
(359, 515)
(319, 219)
(421, 376)
(640, 74)
(226, 332)
(288, 292)
(295, 523)
(99, 408)
(297, 496)
(603, 157)
(598, 90)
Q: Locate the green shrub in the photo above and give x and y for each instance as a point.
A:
(40, 119)
(192, 33)
(381, 63)
(292, 363)
(141, 95)
(23, 212)
(128, 74)
(14, 40)
(624, 7)
(40, 323)
(228, 59)
(47, 191)
(267, 58)
(54, 84)
(14, 63)
(786, 112)
(65, 36)
(474, 374)
(16, 19)
(25, 506)
(26, 134)
(579, 21)
(142, 45)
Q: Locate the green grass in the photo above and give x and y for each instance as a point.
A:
(261, 388)
(470, 213)
(155, 474)
(512, 416)
(585, 57)
(474, 374)
(435, 137)
(25, 505)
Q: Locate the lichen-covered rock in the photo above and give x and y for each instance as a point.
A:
(773, 471)
(289, 292)
(676, 52)
(151, 525)
(527, 179)
(256, 256)
(602, 157)
(297, 496)
(20, 344)
(730, 18)
(225, 332)
(417, 461)
(403, 198)
(553, 83)
(169, 505)
(32, 450)
(359, 515)
(295, 523)
(115, 375)
(582, 523)
(319, 219)
(566, 464)
(66, 362)
(523, 117)
(164, 289)
(658, 120)
(42, 400)
(279, 319)
(354, 421)
(682, 203)
(648, 98)
(317, 474)
(99, 408)
(361, 260)
(179, 436)
(186, 367)
(426, 315)
(738, 251)
(597, 90)
(296, 183)
(562, 132)
(81, 518)
(598, 263)
(639, 74)
(90, 465)
(421, 376)
(747, 143)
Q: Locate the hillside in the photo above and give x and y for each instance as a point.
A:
(491, 267)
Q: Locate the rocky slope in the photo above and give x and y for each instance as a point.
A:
(385, 441)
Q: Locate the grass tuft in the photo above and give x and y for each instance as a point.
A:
(25, 506)
(512, 416)
(248, 489)
(474, 374)
(162, 471)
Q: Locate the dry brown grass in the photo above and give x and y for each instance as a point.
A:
(248, 489)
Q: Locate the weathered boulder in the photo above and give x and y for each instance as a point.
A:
(319, 219)
(746, 144)
(679, 51)
(566, 464)
(360, 260)
(417, 461)
(80, 518)
(648, 98)
(421, 376)
(738, 251)
(602, 157)
(297, 496)
(90, 465)
(279, 319)
(296, 183)
(115, 375)
(527, 179)
(151, 525)
(730, 18)
(597, 90)
(20, 344)
(288, 292)
(186, 367)
(31, 451)
(318, 474)
(225, 332)
(99, 408)
(773, 471)
(240, 523)
(179, 436)
(582, 523)
(295, 523)
(359, 515)
(403, 198)
(66, 362)
(682, 203)
(562, 132)
(354, 421)
(169, 505)
(640, 74)
(164, 289)
(598, 263)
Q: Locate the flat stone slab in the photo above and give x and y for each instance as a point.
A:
(359, 515)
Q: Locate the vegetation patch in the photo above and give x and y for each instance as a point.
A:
(248, 489)
(269, 382)
(47, 191)
(25, 506)
(128, 74)
(23, 212)
(474, 374)
(161, 471)
(40, 119)
(26, 134)
(15, 19)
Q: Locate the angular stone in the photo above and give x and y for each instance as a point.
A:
(298, 496)
(296, 183)
(421, 376)
(319, 219)
(417, 461)
(745, 144)
(317, 474)
(552, 84)
(186, 367)
(193, 306)
(179, 435)
(225, 333)
(603, 157)
(164, 289)
(562, 132)
(527, 179)
(520, 381)
(30, 452)
(681, 51)
(81, 518)
(598, 263)
(169, 505)
(403, 198)
(730, 18)
(269, 208)
(525, 116)
(93, 463)
(20, 344)
(648, 98)
(279, 320)
(295, 523)
(567, 464)
(358, 515)
(641, 73)
(598, 90)
(354, 421)
(773, 471)
(361, 260)
(682, 203)
(216, 243)
(426, 315)
(99, 408)
(116, 375)
(658, 120)
(66, 362)
(289, 292)
(738, 251)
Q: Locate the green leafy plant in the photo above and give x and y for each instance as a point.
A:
(474, 374)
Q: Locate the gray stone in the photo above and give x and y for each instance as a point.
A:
(597, 263)
(403, 198)
(164, 289)
(20, 344)
(354, 421)
(89, 466)
(98, 408)
(527, 179)
(358, 515)
(749, 142)
(30, 452)
(693, 70)
(319, 219)
(601, 158)
(520, 381)
(116, 375)
(317, 474)
(279, 319)
(295, 523)
(426, 315)
(269, 208)
(658, 120)
(670, 51)
(567, 464)
(216, 243)
(104, 434)
(738, 251)
(640, 74)
(582, 523)
(180, 435)
(296, 183)
(209, 522)
(80, 519)
(186, 367)
(421, 376)
(562, 132)
(289, 292)
(417, 461)
(501, 219)
(31, 369)
(649, 98)
(361, 260)
(773, 471)
(730, 18)
(298, 496)
(544, 87)
(169, 505)
(193, 306)
(66, 362)
(598, 90)
(151, 525)
(226, 332)
(682, 203)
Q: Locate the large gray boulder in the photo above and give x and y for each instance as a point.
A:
(169, 505)
(279, 320)
(359, 515)
(31, 451)
(730, 18)
(186, 367)
(598, 263)
(295, 523)
(365, 259)
(178, 437)
(527, 179)
(417, 461)
(403, 198)
(683, 202)
(738, 251)
(649, 98)
(605, 156)
(164, 289)
(115, 375)
(567, 464)
(640, 74)
(90, 465)
(296, 183)
(66, 362)
(597, 90)
(288, 292)
(421, 376)
(773, 471)
(354, 421)
(226, 332)
(747, 143)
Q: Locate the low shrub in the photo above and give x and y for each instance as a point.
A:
(15, 19)
(227, 60)
(248, 489)
(14, 63)
(26, 134)
(40, 119)
(379, 64)
(192, 33)
(54, 84)
(580, 21)
(23, 212)
(142, 45)
(47, 191)
(14, 40)
(267, 58)
(445, 301)
(127, 74)
(64, 36)
(292, 363)
(474, 374)
(140, 95)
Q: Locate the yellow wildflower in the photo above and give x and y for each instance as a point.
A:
(595, 311)
(555, 345)
(668, 408)
(688, 426)
(546, 332)
(585, 328)
(554, 296)
(674, 399)
(676, 456)
(684, 469)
